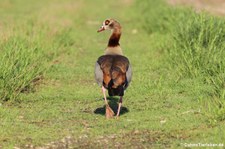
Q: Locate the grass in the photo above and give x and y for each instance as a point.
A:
(195, 49)
(201, 56)
(164, 107)
(20, 66)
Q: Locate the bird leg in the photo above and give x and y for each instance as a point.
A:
(119, 106)
(108, 111)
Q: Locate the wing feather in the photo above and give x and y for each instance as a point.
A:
(98, 74)
(113, 68)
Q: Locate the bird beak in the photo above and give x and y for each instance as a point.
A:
(101, 29)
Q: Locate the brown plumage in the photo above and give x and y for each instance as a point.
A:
(113, 70)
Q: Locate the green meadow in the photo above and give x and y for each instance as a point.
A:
(48, 94)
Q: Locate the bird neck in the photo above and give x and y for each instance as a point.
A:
(113, 47)
(115, 37)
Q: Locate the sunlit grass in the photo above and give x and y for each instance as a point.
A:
(163, 106)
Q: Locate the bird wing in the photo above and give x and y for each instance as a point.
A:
(105, 64)
(98, 74)
(119, 69)
(113, 69)
(128, 75)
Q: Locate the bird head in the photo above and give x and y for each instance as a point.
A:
(108, 24)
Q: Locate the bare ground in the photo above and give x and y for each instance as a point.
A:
(216, 7)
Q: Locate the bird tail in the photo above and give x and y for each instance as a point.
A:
(115, 86)
(119, 91)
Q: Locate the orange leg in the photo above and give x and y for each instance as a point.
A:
(109, 112)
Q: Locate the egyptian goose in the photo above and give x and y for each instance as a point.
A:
(113, 70)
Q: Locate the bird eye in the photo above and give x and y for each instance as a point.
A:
(107, 22)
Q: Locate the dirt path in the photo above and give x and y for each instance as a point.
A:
(213, 6)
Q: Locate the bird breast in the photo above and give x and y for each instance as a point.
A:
(113, 51)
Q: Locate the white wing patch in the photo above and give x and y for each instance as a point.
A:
(98, 74)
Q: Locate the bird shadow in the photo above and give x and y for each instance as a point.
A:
(113, 103)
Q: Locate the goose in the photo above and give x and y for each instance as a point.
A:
(113, 70)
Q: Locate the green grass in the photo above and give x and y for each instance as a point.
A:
(21, 64)
(198, 52)
(164, 107)
(195, 49)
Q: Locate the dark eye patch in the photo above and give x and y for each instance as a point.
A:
(107, 22)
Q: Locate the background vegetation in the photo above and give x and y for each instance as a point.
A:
(47, 90)
(195, 49)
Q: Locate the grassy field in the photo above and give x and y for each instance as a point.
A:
(49, 97)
